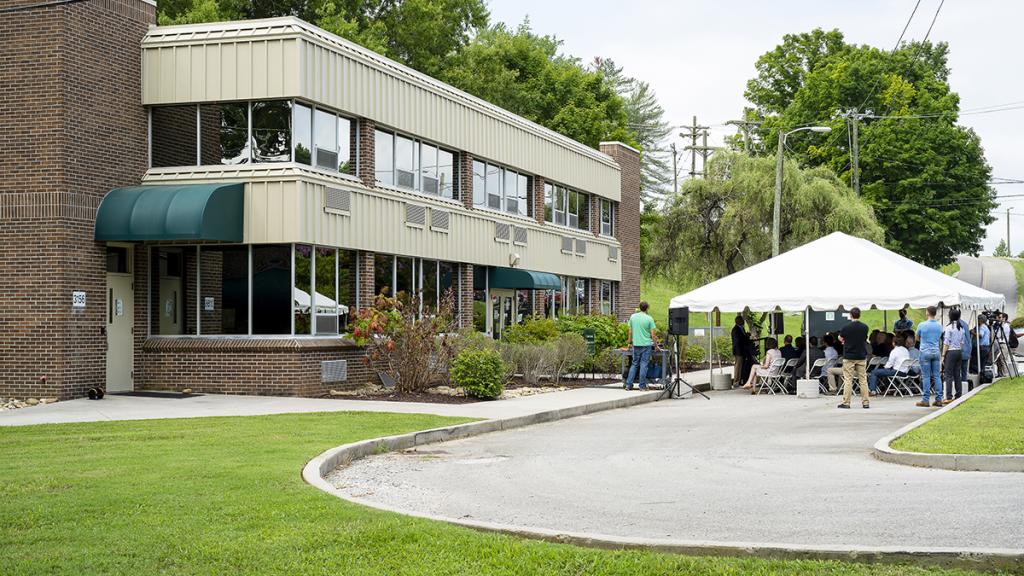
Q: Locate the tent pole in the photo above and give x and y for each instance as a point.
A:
(977, 345)
(807, 343)
(885, 320)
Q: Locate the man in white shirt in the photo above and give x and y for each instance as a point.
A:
(829, 370)
(892, 366)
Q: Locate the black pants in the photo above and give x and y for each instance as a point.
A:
(951, 373)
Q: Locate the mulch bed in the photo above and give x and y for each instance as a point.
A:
(426, 397)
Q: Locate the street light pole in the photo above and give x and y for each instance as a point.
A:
(777, 210)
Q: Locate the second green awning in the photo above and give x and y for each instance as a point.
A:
(518, 279)
(184, 212)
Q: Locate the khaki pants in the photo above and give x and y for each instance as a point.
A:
(858, 368)
(831, 376)
(737, 370)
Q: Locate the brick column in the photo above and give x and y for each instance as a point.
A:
(365, 269)
(466, 178)
(594, 203)
(537, 197)
(465, 297)
(595, 296)
(627, 224)
(365, 147)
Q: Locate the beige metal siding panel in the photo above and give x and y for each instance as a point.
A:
(229, 79)
(290, 70)
(214, 78)
(244, 70)
(260, 68)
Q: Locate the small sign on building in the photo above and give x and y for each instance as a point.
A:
(208, 304)
(78, 299)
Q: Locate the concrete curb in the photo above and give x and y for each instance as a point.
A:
(314, 473)
(959, 462)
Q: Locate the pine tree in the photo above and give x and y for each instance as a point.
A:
(1001, 250)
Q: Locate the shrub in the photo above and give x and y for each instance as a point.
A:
(723, 348)
(530, 360)
(480, 372)
(694, 355)
(1017, 322)
(532, 331)
(608, 332)
(570, 352)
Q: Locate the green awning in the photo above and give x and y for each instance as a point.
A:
(184, 212)
(519, 279)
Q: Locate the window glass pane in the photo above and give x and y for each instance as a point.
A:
(574, 207)
(384, 157)
(173, 304)
(446, 271)
(429, 182)
(524, 305)
(582, 304)
(522, 191)
(429, 294)
(174, 136)
(325, 139)
(302, 133)
(549, 192)
(446, 173)
(480, 310)
(606, 297)
(479, 184)
(383, 269)
(325, 303)
(345, 146)
(271, 289)
(493, 187)
(511, 199)
(581, 210)
(224, 290)
(224, 133)
(271, 131)
(117, 259)
(560, 204)
(347, 272)
(404, 287)
(405, 163)
(302, 294)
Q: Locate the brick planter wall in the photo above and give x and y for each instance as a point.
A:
(253, 366)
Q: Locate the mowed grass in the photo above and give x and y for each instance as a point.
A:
(991, 422)
(225, 496)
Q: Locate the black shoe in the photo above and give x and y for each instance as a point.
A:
(866, 406)
(844, 406)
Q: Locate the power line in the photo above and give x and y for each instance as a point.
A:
(894, 48)
(934, 18)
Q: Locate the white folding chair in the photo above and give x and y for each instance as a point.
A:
(898, 383)
(816, 373)
(771, 377)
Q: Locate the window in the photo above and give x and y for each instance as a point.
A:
(117, 259)
(173, 136)
(606, 297)
(405, 163)
(172, 300)
(523, 194)
(446, 173)
(271, 288)
(429, 181)
(302, 292)
(565, 207)
(428, 289)
(414, 165)
(316, 310)
(224, 290)
(479, 184)
(383, 274)
(303, 134)
(405, 285)
(345, 164)
(384, 157)
(325, 139)
(501, 189)
(511, 197)
(493, 187)
(271, 131)
(607, 218)
(224, 133)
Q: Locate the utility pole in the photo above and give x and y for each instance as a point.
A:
(1008, 251)
(693, 132)
(855, 152)
(777, 210)
(675, 169)
(745, 126)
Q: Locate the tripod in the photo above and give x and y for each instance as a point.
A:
(1002, 356)
(674, 388)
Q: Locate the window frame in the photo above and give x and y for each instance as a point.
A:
(610, 233)
(566, 204)
(418, 145)
(505, 176)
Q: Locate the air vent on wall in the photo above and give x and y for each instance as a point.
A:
(567, 243)
(501, 232)
(581, 247)
(337, 199)
(415, 215)
(519, 235)
(334, 371)
(613, 253)
(439, 219)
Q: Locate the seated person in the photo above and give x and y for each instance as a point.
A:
(770, 355)
(787, 350)
(896, 358)
(830, 371)
(815, 353)
(880, 345)
(911, 345)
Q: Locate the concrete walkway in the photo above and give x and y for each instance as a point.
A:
(115, 407)
(735, 469)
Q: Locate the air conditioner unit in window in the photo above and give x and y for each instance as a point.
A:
(326, 323)
(494, 202)
(405, 179)
(326, 159)
(431, 185)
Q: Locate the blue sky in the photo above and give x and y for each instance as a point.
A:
(698, 56)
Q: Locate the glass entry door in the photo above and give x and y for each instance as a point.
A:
(503, 311)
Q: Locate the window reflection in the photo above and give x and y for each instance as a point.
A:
(303, 134)
(271, 289)
(271, 131)
(224, 133)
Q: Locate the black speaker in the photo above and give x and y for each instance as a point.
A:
(778, 324)
(679, 321)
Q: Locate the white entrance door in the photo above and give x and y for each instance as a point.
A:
(120, 317)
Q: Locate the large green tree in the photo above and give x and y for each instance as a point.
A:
(925, 175)
(525, 73)
(722, 223)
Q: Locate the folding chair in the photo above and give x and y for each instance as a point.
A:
(787, 370)
(875, 362)
(816, 373)
(898, 383)
(772, 378)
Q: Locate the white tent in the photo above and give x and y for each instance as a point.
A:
(837, 270)
(302, 300)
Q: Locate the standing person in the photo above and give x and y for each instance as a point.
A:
(789, 352)
(929, 334)
(904, 323)
(740, 343)
(854, 337)
(642, 338)
(953, 336)
(984, 343)
(966, 349)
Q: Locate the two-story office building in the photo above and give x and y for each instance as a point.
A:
(269, 179)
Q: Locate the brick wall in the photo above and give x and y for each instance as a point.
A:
(73, 128)
(365, 163)
(365, 270)
(627, 226)
(265, 367)
(465, 168)
(465, 295)
(537, 194)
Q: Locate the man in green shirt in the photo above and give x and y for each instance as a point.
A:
(642, 340)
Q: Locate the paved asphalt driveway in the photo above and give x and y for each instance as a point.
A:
(736, 468)
(993, 274)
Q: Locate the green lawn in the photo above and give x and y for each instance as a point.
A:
(992, 422)
(224, 496)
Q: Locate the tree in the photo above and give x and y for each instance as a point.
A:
(525, 74)
(1001, 250)
(720, 224)
(645, 117)
(925, 176)
(422, 34)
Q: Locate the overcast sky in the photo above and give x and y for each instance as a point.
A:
(698, 55)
